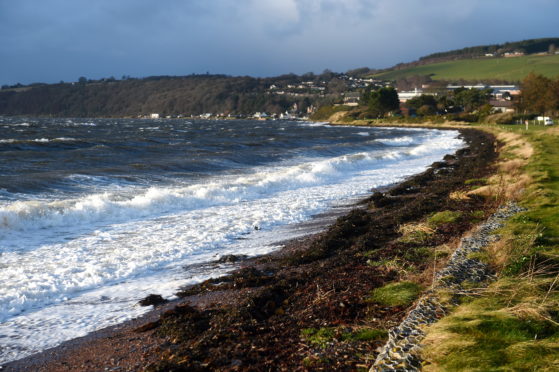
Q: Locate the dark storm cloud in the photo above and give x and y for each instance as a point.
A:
(54, 40)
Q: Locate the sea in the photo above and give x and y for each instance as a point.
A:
(96, 214)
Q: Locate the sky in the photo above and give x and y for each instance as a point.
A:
(61, 40)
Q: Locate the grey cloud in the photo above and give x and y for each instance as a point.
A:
(53, 40)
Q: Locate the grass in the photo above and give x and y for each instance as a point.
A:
(505, 329)
(443, 217)
(514, 324)
(415, 233)
(319, 336)
(476, 181)
(366, 334)
(509, 69)
(396, 294)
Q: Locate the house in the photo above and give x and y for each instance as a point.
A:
(505, 92)
(477, 86)
(154, 116)
(287, 116)
(513, 54)
(502, 105)
(352, 98)
(260, 116)
(405, 96)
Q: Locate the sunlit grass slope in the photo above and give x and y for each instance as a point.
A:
(509, 69)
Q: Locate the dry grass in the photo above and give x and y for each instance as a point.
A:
(459, 195)
(499, 252)
(510, 181)
(413, 230)
(338, 116)
(516, 144)
(512, 166)
(528, 311)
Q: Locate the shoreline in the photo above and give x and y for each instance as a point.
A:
(72, 354)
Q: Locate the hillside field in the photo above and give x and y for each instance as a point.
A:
(509, 69)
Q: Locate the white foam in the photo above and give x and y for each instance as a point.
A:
(36, 140)
(64, 139)
(315, 124)
(398, 141)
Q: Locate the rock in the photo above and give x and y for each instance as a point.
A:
(230, 258)
(148, 326)
(153, 299)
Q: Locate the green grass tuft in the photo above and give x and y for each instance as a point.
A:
(318, 337)
(396, 294)
(444, 217)
(476, 181)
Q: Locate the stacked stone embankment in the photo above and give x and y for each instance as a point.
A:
(400, 353)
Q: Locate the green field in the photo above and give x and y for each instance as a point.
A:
(509, 69)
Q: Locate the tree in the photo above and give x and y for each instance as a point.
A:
(336, 86)
(327, 75)
(366, 96)
(358, 72)
(537, 94)
(426, 110)
(383, 101)
(471, 99)
(422, 100)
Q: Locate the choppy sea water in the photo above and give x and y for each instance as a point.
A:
(95, 214)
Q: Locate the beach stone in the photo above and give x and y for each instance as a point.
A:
(153, 299)
(231, 258)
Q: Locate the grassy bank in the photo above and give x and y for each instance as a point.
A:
(514, 323)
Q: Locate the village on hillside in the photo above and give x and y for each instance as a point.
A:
(501, 97)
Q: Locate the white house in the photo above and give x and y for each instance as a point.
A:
(352, 98)
(286, 116)
(502, 105)
(154, 116)
(405, 96)
(260, 115)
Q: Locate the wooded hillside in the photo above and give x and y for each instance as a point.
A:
(196, 94)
